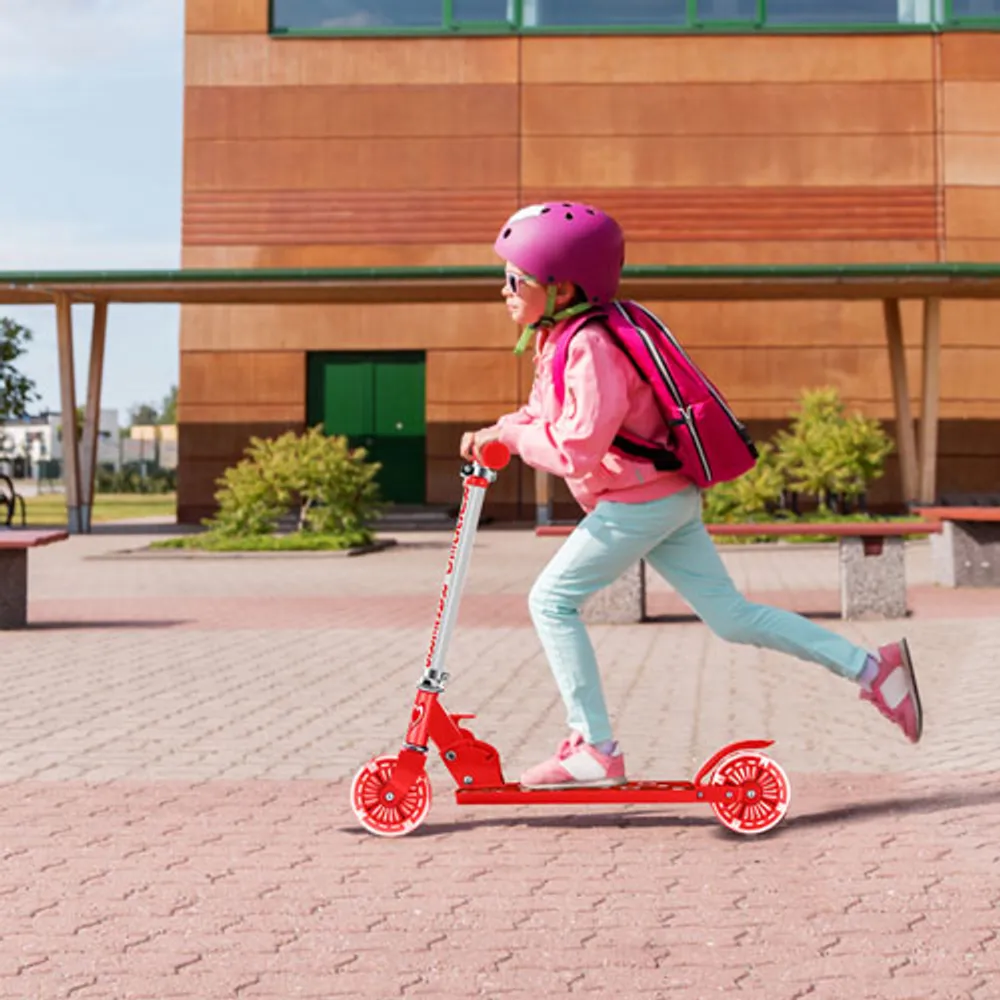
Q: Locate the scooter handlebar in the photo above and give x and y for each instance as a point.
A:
(494, 455)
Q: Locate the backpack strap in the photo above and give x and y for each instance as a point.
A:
(662, 459)
(576, 324)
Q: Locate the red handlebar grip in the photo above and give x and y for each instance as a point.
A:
(494, 455)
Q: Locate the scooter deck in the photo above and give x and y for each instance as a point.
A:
(632, 791)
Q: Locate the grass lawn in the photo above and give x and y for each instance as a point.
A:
(50, 508)
(293, 542)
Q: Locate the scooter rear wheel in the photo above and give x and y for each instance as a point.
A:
(765, 792)
(388, 818)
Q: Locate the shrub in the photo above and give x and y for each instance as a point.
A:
(825, 455)
(756, 494)
(130, 479)
(327, 486)
(829, 456)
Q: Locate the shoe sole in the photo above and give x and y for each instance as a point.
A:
(904, 651)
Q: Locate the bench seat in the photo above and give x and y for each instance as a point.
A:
(14, 546)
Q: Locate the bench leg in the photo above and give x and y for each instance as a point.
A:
(872, 578)
(622, 602)
(967, 554)
(13, 588)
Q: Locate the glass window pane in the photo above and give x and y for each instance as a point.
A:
(482, 10)
(921, 11)
(832, 11)
(358, 14)
(975, 8)
(727, 10)
(571, 13)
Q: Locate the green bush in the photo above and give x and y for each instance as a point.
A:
(753, 496)
(826, 456)
(327, 487)
(830, 456)
(130, 479)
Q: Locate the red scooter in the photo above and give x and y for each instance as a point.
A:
(391, 795)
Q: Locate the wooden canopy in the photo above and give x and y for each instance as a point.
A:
(929, 283)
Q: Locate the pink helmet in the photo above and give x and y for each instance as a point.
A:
(566, 241)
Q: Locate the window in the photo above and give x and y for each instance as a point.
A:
(612, 13)
(728, 11)
(342, 14)
(832, 12)
(975, 10)
(443, 16)
(482, 11)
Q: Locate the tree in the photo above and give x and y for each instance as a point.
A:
(168, 410)
(16, 390)
(143, 413)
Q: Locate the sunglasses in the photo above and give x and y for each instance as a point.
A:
(515, 281)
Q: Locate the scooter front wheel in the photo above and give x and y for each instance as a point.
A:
(378, 811)
(764, 796)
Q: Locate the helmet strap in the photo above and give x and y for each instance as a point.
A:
(549, 318)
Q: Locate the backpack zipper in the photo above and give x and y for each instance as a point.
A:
(733, 419)
(671, 385)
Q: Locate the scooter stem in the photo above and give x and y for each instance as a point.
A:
(476, 479)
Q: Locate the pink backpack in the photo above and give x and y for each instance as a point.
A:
(709, 444)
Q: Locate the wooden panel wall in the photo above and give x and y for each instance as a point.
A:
(971, 145)
(411, 152)
(334, 153)
(225, 398)
(970, 153)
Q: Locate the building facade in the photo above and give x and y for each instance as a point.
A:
(28, 444)
(388, 133)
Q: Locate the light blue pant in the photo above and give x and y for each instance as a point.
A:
(670, 535)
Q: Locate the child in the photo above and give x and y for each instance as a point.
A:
(562, 259)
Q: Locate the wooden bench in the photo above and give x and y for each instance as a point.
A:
(967, 552)
(14, 545)
(872, 567)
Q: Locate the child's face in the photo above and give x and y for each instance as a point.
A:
(525, 298)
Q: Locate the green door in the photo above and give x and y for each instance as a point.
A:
(377, 402)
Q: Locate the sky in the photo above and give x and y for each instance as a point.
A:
(91, 103)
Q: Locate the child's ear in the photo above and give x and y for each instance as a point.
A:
(565, 293)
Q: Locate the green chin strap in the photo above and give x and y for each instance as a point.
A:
(549, 318)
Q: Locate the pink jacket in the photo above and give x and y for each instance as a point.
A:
(603, 394)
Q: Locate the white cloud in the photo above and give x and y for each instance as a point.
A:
(57, 38)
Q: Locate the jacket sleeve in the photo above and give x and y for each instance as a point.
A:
(595, 404)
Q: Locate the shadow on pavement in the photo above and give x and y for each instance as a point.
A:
(919, 804)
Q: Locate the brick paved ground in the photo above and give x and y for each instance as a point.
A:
(178, 736)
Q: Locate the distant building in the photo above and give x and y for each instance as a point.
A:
(27, 443)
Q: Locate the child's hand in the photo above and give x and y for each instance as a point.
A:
(473, 442)
(465, 448)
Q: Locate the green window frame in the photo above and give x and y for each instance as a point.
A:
(924, 16)
(990, 21)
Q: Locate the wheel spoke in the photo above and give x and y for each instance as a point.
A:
(388, 819)
(767, 780)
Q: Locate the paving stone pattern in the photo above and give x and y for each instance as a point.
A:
(178, 736)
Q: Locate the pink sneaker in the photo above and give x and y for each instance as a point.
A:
(894, 690)
(577, 764)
